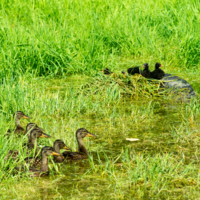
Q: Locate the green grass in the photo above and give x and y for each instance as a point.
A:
(43, 43)
(67, 37)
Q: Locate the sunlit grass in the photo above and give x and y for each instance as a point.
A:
(44, 42)
(55, 38)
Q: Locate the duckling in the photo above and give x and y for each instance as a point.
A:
(17, 116)
(31, 126)
(146, 72)
(12, 154)
(123, 72)
(44, 169)
(35, 133)
(157, 73)
(57, 145)
(133, 70)
(106, 71)
(82, 151)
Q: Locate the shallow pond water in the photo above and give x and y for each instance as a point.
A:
(156, 123)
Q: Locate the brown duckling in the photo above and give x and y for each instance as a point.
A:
(82, 151)
(12, 154)
(57, 146)
(31, 126)
(17, 116)
(35, 133)
(44, 169)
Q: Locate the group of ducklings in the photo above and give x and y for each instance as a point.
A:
(155, 74)
(40, 158)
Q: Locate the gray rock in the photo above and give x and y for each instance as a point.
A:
(178, 86)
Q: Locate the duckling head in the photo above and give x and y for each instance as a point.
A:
(157, 65)
(31, 126)
(48, 151)
(107, 71)
(37, 133)
(146, 65)
(59, 144)
(82, 132)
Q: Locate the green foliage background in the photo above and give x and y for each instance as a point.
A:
(43, 42)
(65, 37)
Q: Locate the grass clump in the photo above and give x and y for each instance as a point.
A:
(142, 175)
(134, 87)
(122, 85)
(64, 37)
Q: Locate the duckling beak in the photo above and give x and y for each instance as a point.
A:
(26, 117)
(56, 154)
(160, 65)
(90, 135)
(44, 135)
(143, 66)
(67, 148)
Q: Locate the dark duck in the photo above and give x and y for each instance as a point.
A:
(146, 72)
(106, 71)
(133, 70)
(158, 73)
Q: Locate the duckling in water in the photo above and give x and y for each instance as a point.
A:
(35, 134)
(31, 126)
(57, 146)
(44, 169)
(17, 116)
(82, 151)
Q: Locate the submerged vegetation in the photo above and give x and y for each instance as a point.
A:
(43, 43)
(163, 162)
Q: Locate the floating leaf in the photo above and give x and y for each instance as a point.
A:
(132, 139)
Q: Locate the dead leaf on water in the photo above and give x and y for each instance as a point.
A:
(132, 139)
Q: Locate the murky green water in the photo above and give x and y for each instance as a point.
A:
(157, 128)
